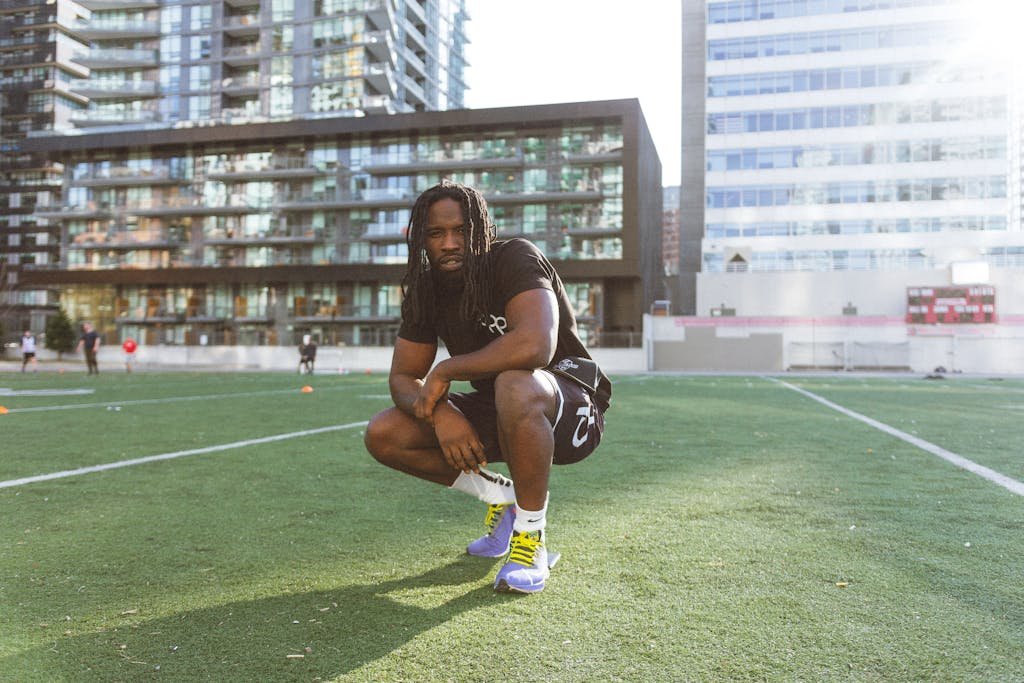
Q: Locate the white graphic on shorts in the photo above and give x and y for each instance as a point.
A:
(565, 365)
(586, 419)
(498, 324)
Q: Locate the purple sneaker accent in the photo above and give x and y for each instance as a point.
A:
(526, 568)
(499, 523)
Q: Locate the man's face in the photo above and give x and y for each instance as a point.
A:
(445, 236)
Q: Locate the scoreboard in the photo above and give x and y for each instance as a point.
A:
(951, 305)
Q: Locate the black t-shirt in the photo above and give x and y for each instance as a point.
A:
(89, 340)
(517, 265)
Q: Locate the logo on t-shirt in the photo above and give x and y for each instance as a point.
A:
(497, 326)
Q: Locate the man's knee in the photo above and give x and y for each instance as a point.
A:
(376, 436)
(519, 393)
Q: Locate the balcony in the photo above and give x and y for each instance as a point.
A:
(277, 168)
(444, 159)
(113, 89)
(33, 20)
(25, 58)
(322, 311)
(242, 54)
(380, 45)
(242, 3)
(381, 77)
(99, 5)
(98, 29)
(120, 176)
(346, 200)
(414, 90)
(116, 58)
(242, 24)
(86, 210)
(193, 206)
(379, 104)
(287, 236)
(242, 84)
(594, 151)
(384, 232)
(99, 117)
(123, 239)
(413, 60)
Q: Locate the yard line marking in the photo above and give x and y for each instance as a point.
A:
(176, 454)
(995, 477)
(171, 399)
(4, 391)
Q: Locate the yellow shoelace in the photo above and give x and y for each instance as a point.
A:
(524, 547)
(493, 515)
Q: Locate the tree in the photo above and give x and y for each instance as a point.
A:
(60, 333)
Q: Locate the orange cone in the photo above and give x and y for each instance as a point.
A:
(307, 389)
(3, 411)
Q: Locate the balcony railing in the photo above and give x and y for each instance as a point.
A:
(326, 310)
(92, 87)
(298, 235)
(250, 81)
(116, 57)
(100, 29)
(94, 5)
(242, 51)
(127, 239)
(126, 175)
(384, 232)
(100, 117)
(240, 24)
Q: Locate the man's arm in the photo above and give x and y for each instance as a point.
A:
(528, 344)
(459, 442)
(410, 363)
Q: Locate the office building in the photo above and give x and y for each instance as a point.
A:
(849, 150)
(260, 233)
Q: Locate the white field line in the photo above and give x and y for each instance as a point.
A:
(176, 454)
(170, 399)
(995, 477)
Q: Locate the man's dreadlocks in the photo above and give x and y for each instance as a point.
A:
(418, 283)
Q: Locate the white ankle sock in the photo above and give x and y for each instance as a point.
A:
(490, 487)
(530, 520)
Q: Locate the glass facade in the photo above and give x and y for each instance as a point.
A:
(159, 63)
(341, 202)
(888, 130)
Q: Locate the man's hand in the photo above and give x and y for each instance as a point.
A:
(459, 441)
(434, 389)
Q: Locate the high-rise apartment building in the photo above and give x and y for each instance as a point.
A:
(37, 47)
(98, 66)
(851, 149)
(261, 233)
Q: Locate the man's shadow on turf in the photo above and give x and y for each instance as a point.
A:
(343, 630)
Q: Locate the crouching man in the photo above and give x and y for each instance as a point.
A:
(503, 314)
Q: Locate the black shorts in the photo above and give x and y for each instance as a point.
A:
(28, 355)
(578, 425)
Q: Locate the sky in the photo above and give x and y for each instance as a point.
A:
(542, 52)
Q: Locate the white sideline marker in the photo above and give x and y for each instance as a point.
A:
(1006, 482)
(176, 454)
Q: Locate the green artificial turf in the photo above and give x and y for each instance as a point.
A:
(728, 528)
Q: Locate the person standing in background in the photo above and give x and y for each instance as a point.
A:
(129, 347)
(28, 351)
(90, 342)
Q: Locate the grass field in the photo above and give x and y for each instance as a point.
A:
(729, 528)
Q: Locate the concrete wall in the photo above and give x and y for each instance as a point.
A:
(771, 344)
(825, 294)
